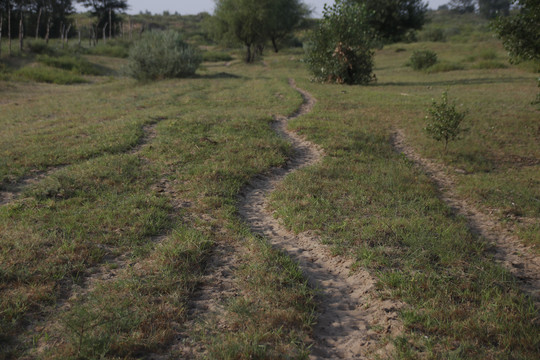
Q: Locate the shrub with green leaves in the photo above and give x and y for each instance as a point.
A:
(423, 59)
(340, 49)
(75, 64)
(161, 55)
(444, 120)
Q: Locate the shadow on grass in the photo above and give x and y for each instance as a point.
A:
(219, 75)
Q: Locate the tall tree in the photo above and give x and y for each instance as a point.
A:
(106, 12)
(462, 6)
(520, 33)
(283, 16)
(490, 9)
(392, 19)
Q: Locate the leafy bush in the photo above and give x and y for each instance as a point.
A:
(422, 59)
(112, 48)
(76, 64)
(340, 49)
(490, 64)
(39, 47)
(49, 75)
(160, 55)
(444, 121)
(435, 35)
(214, 56)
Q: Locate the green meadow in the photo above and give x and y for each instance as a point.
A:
(141, 180)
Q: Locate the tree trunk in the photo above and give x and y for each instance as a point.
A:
(48, 32)
(21, 33)
(130, 30)
(9, 30)
(38, 20)
(105, 33)
(248, 54)
(110, 24)
(78, 31)
(1, 24)
(274, 44)
(62, 27)
(66, 37)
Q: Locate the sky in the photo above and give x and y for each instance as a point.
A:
(185, 7)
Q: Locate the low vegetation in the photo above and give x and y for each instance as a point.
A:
(123, 190)
(161, 55)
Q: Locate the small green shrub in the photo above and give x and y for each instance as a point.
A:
(112, 48)
(340, 48)
(444, 121)
(214, 56)
(435, 35)
(423, 59)
(487, 54)
(444, 67)
(49, 75)
(162, 54)
(39, 47)
(75, 64)
(490, 64)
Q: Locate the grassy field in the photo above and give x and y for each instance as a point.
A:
(141, 181)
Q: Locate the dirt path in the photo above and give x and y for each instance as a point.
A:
(508, 249)
(349, 308)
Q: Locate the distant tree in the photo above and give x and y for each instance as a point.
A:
(242, 20)
(462, 6)
(340, 48)
(105, 11)
(392, 19)
(492, 8)
(283, 16)
(520, 33)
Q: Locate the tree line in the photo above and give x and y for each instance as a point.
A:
(51, 18)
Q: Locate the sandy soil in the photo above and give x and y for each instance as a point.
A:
(507, 248)
(349, 308)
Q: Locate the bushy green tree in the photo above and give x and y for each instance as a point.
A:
(100, 9)
(393, 19)
(444, 120)
(340, 49)
(162, 54)
(520, 33)
(284, 16)
(492, 8)
(254, 22)
(462, 6)
(242, 20)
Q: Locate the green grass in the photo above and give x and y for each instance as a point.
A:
(215, 56)
(49, 75)
(105, 200)
(367, 201)
(77, 65)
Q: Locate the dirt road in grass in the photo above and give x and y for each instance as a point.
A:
(352, 319)
(513, 254)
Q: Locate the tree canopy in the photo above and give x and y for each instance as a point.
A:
(253, 22)
(493, 8)
(100, 9)
(520, 33)
(340, 48)
(392, 19)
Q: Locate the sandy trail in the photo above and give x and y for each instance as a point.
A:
(349, 308)
(508, 249)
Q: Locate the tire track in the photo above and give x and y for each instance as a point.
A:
(508, 250)
(352, 318)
